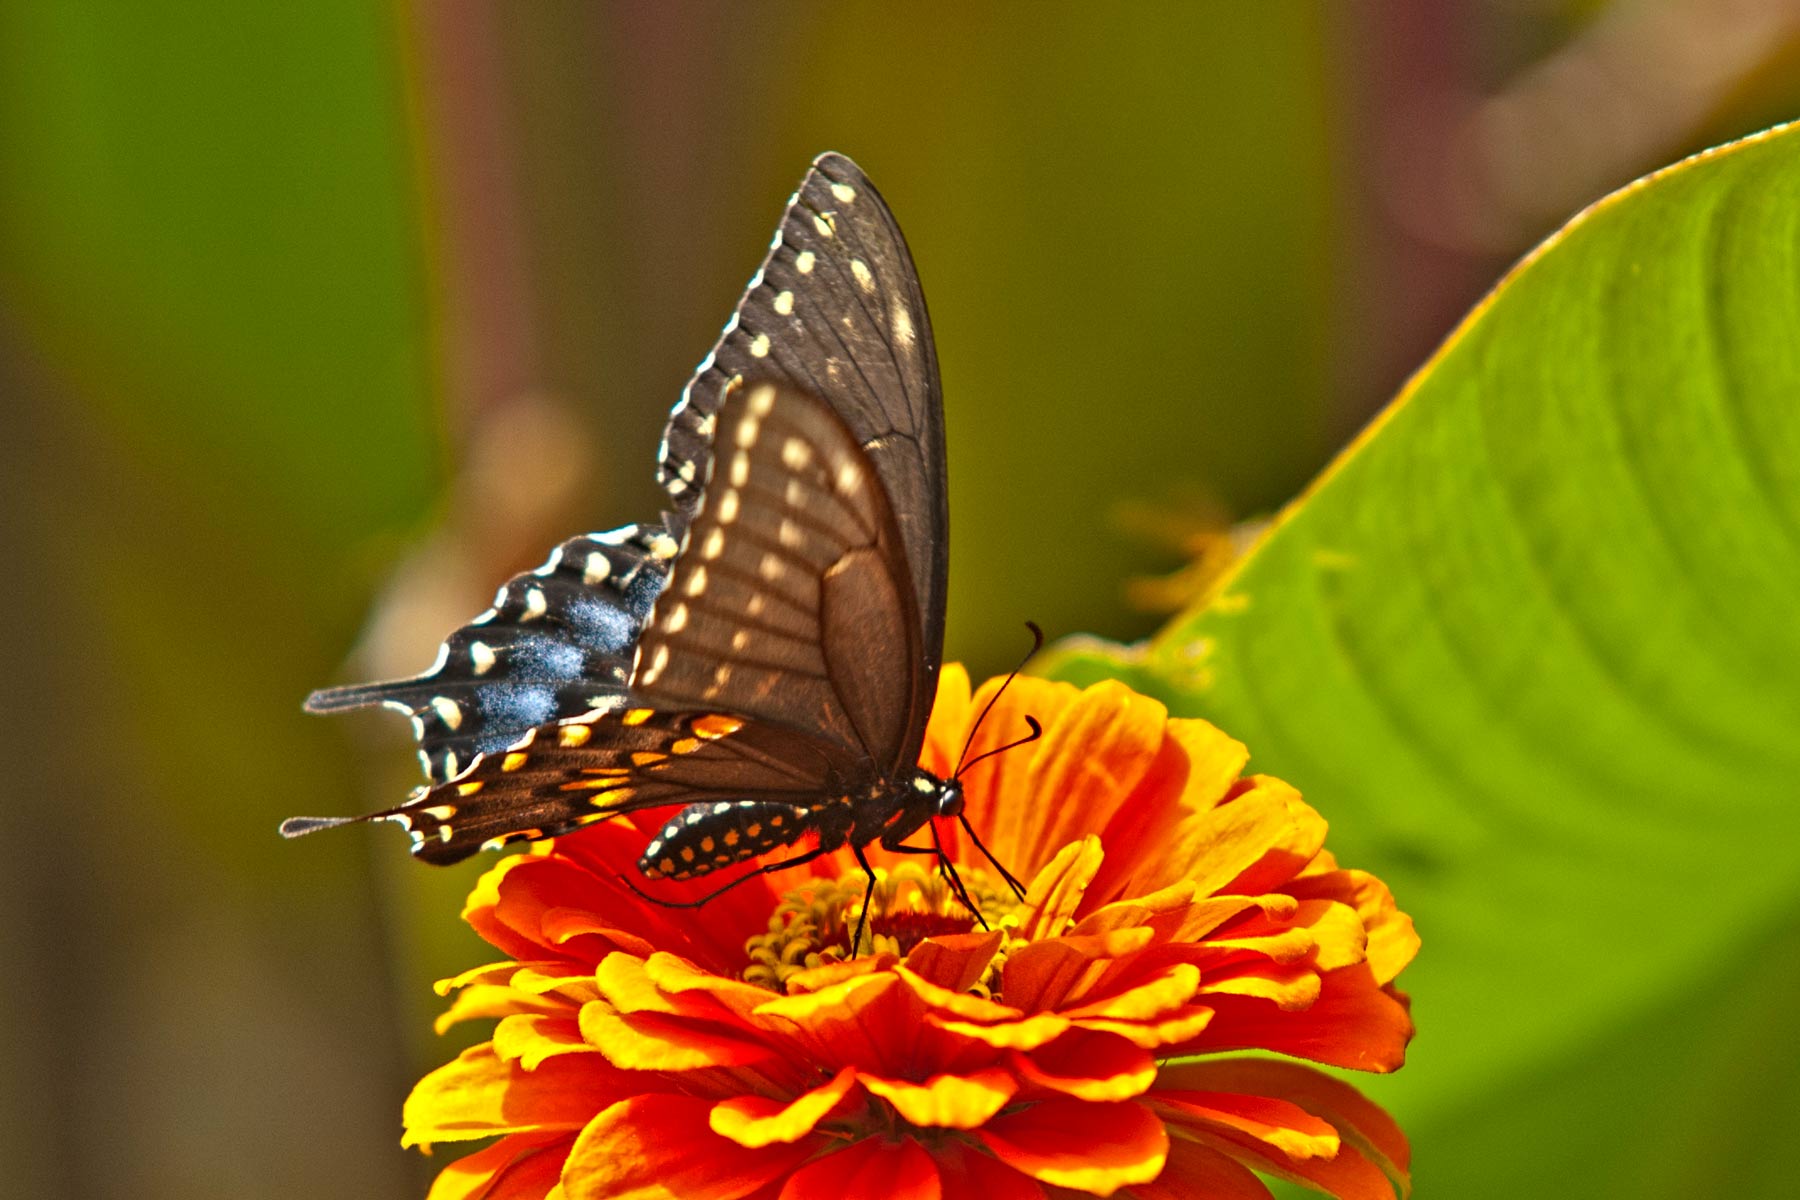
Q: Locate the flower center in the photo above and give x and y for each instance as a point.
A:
(812, 925)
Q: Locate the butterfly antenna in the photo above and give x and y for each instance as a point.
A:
(1037, 643)
(1037, 731)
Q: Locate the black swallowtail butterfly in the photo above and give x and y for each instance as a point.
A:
(767, 655)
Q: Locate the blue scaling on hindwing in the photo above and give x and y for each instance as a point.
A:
(557, 643)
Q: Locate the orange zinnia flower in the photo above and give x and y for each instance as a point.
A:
(1176, 911)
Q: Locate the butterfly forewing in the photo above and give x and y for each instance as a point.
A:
(791, 601)
(788, 666)
(558, 642)
(836, 311)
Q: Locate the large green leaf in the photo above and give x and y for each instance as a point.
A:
(1533, 646)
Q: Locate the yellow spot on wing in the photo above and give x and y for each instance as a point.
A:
(685, 746)
(716, 725)
(644, 758)
(574, 735)
(514, 761)
(637, 716)
(469, 788)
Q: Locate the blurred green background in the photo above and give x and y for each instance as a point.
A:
(312, 312)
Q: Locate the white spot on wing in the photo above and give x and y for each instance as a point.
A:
(864, 279)
(844, 192)
(795, 453)
(784, 303)
(596, 568)
(448, 711)
(535, 604)
(481, 656)
(728, 510)
(759, 346)
(803, 262)
(904, 333)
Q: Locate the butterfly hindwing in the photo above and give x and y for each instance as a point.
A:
(836, 311)
(791, 601)
(558, 642)
(559, 777)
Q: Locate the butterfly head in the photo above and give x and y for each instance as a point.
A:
(937, 797)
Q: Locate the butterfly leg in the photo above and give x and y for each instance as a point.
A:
(862, 921)
(1018, 888)
(945, 869)
(767, 869)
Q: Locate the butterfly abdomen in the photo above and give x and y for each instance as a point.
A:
(705, 837)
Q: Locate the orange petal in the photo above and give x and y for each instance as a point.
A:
(1209, 914)
(970, 1174)
(1195, 1170)
(520, 1167)
(478, 1095)
(1056, 890)
(1040, 975)
(658, 1042)
(497, 974)
(1088, 763)
(1215, 760)
(1140, 826)
(1356, 1119)
(870, 1022)
(1326, 932)
(1096, 1148)
(1168, 989)
(871, 1167)
(661, 1147)
(955, 1003)
(488, 1000)
(565, 980)
(1290, 987)
(1349, 1176)
(530, 1038)
(1392, 939)
(955, 962)
(480, 912)
(1165, 909)
(948, 1101)
(1285, 1128)
(1355, 1023)
(666, 984)
(607, 852)
(756, 1121)
(1027, 1034)
(950, 717)
(1173, 1028)
(1252, 845)
(1002, 802)
(1089, 1066)
(590, 935)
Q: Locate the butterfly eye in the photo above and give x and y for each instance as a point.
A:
(950, 800)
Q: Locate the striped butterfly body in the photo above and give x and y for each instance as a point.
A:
(765, 658)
